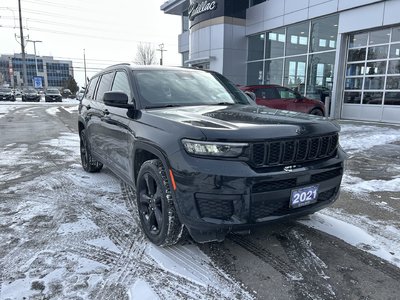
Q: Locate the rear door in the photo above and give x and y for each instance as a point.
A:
(100, 141)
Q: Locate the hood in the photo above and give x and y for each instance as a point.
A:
(246, 122)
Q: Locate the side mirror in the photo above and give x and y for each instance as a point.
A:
(117, 99)
(251, 95)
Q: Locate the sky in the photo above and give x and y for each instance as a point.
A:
(109, 31)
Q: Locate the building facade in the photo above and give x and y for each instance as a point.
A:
(53, 72)
(347, 50)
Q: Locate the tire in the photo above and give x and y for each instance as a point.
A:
(87, 161)
(317, 112)
(155, 205)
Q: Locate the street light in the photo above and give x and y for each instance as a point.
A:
(34, 47)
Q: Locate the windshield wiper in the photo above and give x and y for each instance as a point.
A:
(163, 106)
(224, 103)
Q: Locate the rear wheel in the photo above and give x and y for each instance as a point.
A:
(317, 112)
(88, 163)
(157, 214)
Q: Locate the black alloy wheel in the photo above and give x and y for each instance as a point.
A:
(157, 213)
(87, 161)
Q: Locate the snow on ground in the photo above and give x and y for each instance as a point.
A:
(357, 138)
(5, 109)
(379, 238)
(70, 234)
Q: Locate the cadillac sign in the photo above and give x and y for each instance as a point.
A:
(197, 8)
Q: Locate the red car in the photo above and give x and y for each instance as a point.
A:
(279, 97)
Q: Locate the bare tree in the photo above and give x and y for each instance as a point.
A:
(145, 55)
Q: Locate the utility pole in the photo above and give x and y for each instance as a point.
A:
(84, 65)
(25, 83)
(162, 52)
(34, 48)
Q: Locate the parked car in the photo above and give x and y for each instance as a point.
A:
(66, 93)
(17, 93)
(52, 95)
(6, 94)
(30, 95)
(280, 97)
(201, 156)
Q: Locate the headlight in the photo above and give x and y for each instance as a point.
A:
(214, 148)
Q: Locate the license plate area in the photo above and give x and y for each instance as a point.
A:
(304, 196)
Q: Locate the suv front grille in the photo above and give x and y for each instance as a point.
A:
(275, 153)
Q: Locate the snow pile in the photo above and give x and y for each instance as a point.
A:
(357, 138)
(358, 186)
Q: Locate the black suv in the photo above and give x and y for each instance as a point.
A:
(201, 155)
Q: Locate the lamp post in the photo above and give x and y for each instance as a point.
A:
(34, 48)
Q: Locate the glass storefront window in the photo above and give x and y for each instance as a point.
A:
(255, 73)
(379, 37)
(372, 98)
(185, 21)
(295, 72)
(256, 47)
(379, 52)
(297, 39)
(392, 98)
(355, 69)
(320, 75)
(394, 51)
(396, 34)
(273, 71)
(357, 54)
(393, 83)
(275, 43)
(376, 67)
(358, 40)
(324, 33)
(353, 83)
(394, 67)
(374, 83)
(352, 97)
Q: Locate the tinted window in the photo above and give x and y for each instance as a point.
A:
(185, 87)
(286, 93)
(121, 83)
(267, 94)
(91, 88)
(105, 85)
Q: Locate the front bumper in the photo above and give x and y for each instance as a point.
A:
(7, 98)
(218, 196)
(31, 98)
(53, 99)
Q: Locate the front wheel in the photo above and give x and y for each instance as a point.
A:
(317, 112)
(157, 214)
(88, 163)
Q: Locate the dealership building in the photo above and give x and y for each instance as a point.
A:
(53, 73)
(347, 51)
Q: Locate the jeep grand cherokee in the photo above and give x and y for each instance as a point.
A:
(201, 156)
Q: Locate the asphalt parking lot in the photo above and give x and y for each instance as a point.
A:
(72, 235)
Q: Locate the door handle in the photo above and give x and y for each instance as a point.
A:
(106, 112)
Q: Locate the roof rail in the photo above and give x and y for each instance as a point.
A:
(120, 64)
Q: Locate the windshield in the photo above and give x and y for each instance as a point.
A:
(30, 91)
(53, 91)
(160, 88)
(5, 90)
